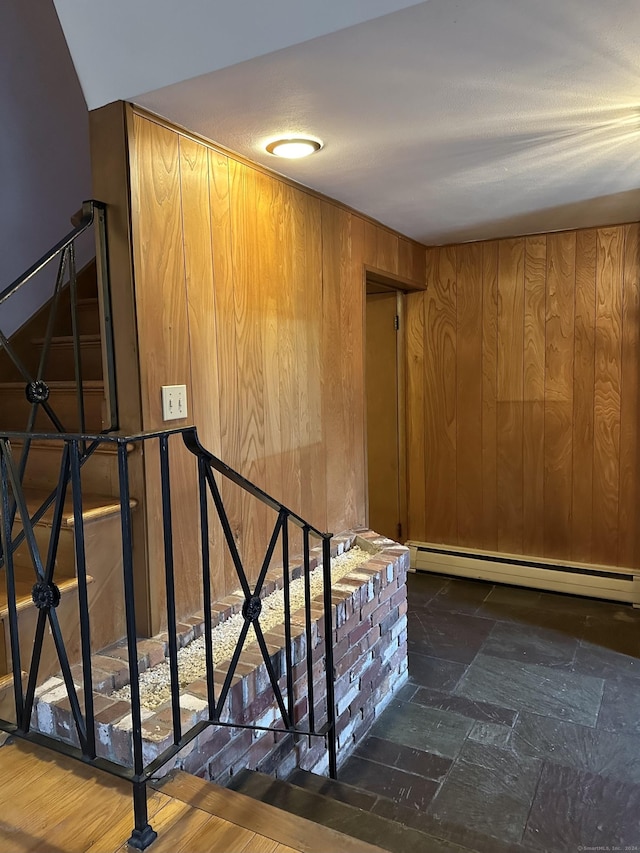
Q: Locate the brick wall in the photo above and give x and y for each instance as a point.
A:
(369, 607)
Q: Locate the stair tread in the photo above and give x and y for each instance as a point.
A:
(24, 579)
(67, 340)
(53, 444)
(293, 831)
(58, 385)
(351, 820)
(93, 506)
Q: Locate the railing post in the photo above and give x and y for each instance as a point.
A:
(143, 835)
(328, 650)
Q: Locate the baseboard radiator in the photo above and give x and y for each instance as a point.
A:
(608, 582)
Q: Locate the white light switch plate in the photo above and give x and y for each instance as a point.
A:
(174, 402)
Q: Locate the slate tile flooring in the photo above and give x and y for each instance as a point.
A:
(519, 727)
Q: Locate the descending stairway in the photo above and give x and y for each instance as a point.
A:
(345, 808)
(99, 483)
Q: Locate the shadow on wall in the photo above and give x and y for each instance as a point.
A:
(44, 149)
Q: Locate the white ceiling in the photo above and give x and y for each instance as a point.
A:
(446, 120)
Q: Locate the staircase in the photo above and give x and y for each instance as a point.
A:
(99, 477)
(347, 809)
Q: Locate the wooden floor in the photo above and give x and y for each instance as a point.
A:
(51, 804)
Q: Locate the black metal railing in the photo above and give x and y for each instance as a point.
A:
(214, 478)
(37, 388)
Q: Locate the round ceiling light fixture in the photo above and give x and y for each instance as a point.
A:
(294, 147)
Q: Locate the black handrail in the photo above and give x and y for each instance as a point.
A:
(46, 597)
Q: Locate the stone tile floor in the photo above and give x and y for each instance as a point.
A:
(519, 728)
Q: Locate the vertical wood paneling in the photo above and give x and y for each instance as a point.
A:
(533, 411)
(415, 405)
(387, 251)
(353, 326)
(583, 396)
(489, 538)
(510, 394)
(309, 331)
(608, 376)
(163, 329)
(251, 292)
(440, 395)
(557, 328)
(159, 266)
(249, 307)
(336, 251)
(629, 519)
(558, 416)
(225, 354)
(469, 393)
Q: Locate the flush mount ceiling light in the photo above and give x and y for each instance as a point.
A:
(294, 147)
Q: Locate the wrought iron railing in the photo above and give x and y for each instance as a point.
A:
(213, 478)
(37, 389)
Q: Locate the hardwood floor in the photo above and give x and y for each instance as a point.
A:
(51, 804)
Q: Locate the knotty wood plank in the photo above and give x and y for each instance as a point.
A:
(629, 507)
(440, 395)
(608, 376)
(469, 393)
(533, 411)
(558, 432)
(510, 394)
(416, 452)
(489, 538)
(583, 396)
(268, 821)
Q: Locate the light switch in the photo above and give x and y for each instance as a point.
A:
(174, 402)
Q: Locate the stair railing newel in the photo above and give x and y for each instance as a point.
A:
(212, 473)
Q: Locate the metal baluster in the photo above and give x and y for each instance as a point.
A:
(142, 834)
(328, 651)
(167, 529)
(307, 624)
(83, 600)
(286, 589)
(11, 584)
(206, 586)
(75, 333)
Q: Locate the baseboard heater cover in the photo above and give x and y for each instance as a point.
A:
(608, 582)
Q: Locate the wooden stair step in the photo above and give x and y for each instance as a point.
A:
(94, 507)
(63, 400)
(99, 473)
(285, 828)
(25, 578)
(60, 362)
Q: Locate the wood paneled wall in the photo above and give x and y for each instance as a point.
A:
(523, 396)
(249, 290)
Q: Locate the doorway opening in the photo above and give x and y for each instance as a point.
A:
(385, 412)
